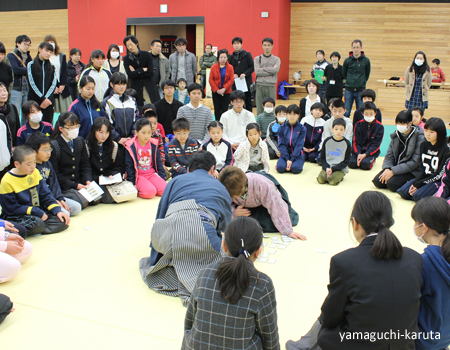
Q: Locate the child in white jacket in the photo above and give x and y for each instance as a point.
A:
(252, 154)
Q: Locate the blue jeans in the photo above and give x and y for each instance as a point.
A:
(18, 98)
(351, 96)
(423, 192)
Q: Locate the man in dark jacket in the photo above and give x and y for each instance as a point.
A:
(356, 72)
(19, 59)
(139, 67)
(242, 62)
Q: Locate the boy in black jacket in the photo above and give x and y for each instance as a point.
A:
(367, 138)
(244, 66)
(42, 81)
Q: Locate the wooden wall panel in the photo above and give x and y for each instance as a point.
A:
(391, 34)
(36, 24)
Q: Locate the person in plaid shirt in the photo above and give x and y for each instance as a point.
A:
(233, 305)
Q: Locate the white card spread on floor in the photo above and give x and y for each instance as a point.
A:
(273, 245)
(282, 246)
(265, 236)
(264, 244)
(92, 193)
(265, 255)
(106, 180)
(274, 238)
(272, 261)
(263, 259)
(272, 251)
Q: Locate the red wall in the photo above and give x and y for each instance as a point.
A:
(97, 24)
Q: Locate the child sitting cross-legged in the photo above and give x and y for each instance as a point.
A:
(26, 199)
(143, 162)
(182, 147)
(335, 155)
(220, 148)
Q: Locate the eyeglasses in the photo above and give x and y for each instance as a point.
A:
(73, 127)
(26, 44)
(47, 150)
(238, 102)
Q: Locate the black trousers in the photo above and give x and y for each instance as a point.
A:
(35, 225)
(47, 114)
(394, 183)
(272, 154)
(220, 104)
(5, 307)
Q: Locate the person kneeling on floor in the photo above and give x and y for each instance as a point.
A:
(26, 199)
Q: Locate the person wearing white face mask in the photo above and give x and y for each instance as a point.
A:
(113, 62)
(62, 96)
(33, 114)
(403, 155)
(264, 119)
(431, 217)
(69, 158)
(367, 139)
(272, 132)
(418, 79)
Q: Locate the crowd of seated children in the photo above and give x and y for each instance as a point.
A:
(181, 93)
(182, 147)
(314, 125)
(434, 154)
(400, 164)
(252, 154)
(199, 116)
(367, 138)
(143, 165)
(26, 199)
(367, 95)
(69, 158)
(267, 117)
(218, 147)
(236, 119)
(272, 132)
(41, 144)
(335, 155)
(291, 139)
(32, 113)
(86, 107)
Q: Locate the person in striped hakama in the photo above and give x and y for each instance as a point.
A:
(187, 234)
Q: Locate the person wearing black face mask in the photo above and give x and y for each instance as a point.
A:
(418, 80)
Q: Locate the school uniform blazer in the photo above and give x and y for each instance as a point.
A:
(72, 168)
(215, 79)
(104, 164)
(369, 295)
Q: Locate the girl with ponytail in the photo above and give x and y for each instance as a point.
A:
(374, 287)
(233, 305)
(431, 217)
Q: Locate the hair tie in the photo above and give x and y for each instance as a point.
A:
(380, 226)
(244, 251)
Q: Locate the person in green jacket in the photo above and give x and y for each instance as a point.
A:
(356, 72)
(206, 61)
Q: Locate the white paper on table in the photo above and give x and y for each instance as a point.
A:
(106, 180)
(92, 193)
(241, 84)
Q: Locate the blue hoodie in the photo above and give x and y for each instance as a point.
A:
(291, 139)
(434, 313)
(86, 114)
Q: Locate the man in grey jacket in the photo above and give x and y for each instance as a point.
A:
(161, 68)
(266, 69)
(183, 64)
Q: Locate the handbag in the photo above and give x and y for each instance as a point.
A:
(122, 191)
(308, 341)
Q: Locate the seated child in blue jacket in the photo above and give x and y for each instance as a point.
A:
(314, 130)
(33, 114)
(182, 147)
(42, 146)
(26, 199)
(335, 155)
(291, 139)
(431, 217)
(367, 138)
